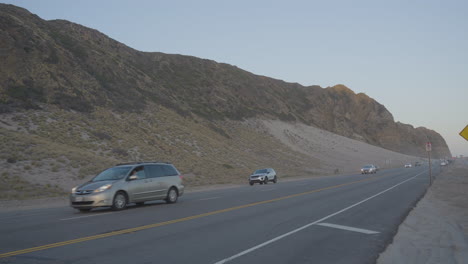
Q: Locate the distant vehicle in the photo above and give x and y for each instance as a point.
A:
(137, 182)
(408, 165)
(417, 163)
(443, 163)
(367, 169)
(263, 176)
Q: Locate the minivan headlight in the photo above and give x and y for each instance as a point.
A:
(103, 188)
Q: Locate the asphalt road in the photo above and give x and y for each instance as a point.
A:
(335, 219)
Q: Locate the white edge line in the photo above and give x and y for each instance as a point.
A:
(349, 228)
(72, 218)
(19, 216)
(310, 224)
(211, 198)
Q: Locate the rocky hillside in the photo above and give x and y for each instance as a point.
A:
(65, 65)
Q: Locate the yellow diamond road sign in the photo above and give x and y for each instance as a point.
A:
(464, 133)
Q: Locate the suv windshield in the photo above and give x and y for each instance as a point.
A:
(115, 173)
(368, 166)
(260, 171)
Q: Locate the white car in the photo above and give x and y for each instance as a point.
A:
(367, 169)
(408, 165)
(263, 176)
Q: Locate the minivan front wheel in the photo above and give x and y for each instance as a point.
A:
(120, 201)
(172, 196)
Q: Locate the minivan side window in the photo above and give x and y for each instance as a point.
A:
(170, 170)
(141, 173)
(155, 171)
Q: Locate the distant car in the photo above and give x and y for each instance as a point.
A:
(408, 165)
(122, 184)
(263, 176)
(443, 163)
(367, 169)
(417, 163)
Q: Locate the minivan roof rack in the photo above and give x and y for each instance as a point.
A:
(141, 162)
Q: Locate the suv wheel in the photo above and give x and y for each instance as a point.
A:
(266, 180)
(251, 183)
(120, 201)
(275, 180)
(172, 196)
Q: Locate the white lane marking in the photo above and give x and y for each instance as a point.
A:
(310, 224)
(211, 198)
(348, 228)
(266, 190)
(19, 216)
(78, 217)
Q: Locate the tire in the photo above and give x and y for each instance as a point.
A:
(85, 210)
(266, 180)
(120, 201)
(251, 183)
(172, 196)
(275, 180)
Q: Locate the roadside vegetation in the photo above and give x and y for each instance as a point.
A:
(51, 151)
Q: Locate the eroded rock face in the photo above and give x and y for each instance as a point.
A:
(360, 117)
(73, 67)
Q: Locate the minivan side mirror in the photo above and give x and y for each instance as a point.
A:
(132, 178)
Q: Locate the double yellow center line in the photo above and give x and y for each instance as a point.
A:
(140, 228)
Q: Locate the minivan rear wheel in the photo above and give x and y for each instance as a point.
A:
(119, 202)
(172, 195)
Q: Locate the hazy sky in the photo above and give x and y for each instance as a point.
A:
(411, 56)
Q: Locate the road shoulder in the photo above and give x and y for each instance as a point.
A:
(436, 230)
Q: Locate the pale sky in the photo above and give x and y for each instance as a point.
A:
(409, 55)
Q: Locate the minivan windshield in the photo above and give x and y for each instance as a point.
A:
(261, 171)
(115, 173)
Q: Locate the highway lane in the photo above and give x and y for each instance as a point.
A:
(223, 234)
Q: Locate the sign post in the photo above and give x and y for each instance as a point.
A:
(428, 150)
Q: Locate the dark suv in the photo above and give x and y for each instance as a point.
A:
(129, 183)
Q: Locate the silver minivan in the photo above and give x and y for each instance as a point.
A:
(137, 182)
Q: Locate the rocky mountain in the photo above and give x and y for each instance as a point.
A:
(65, 65)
